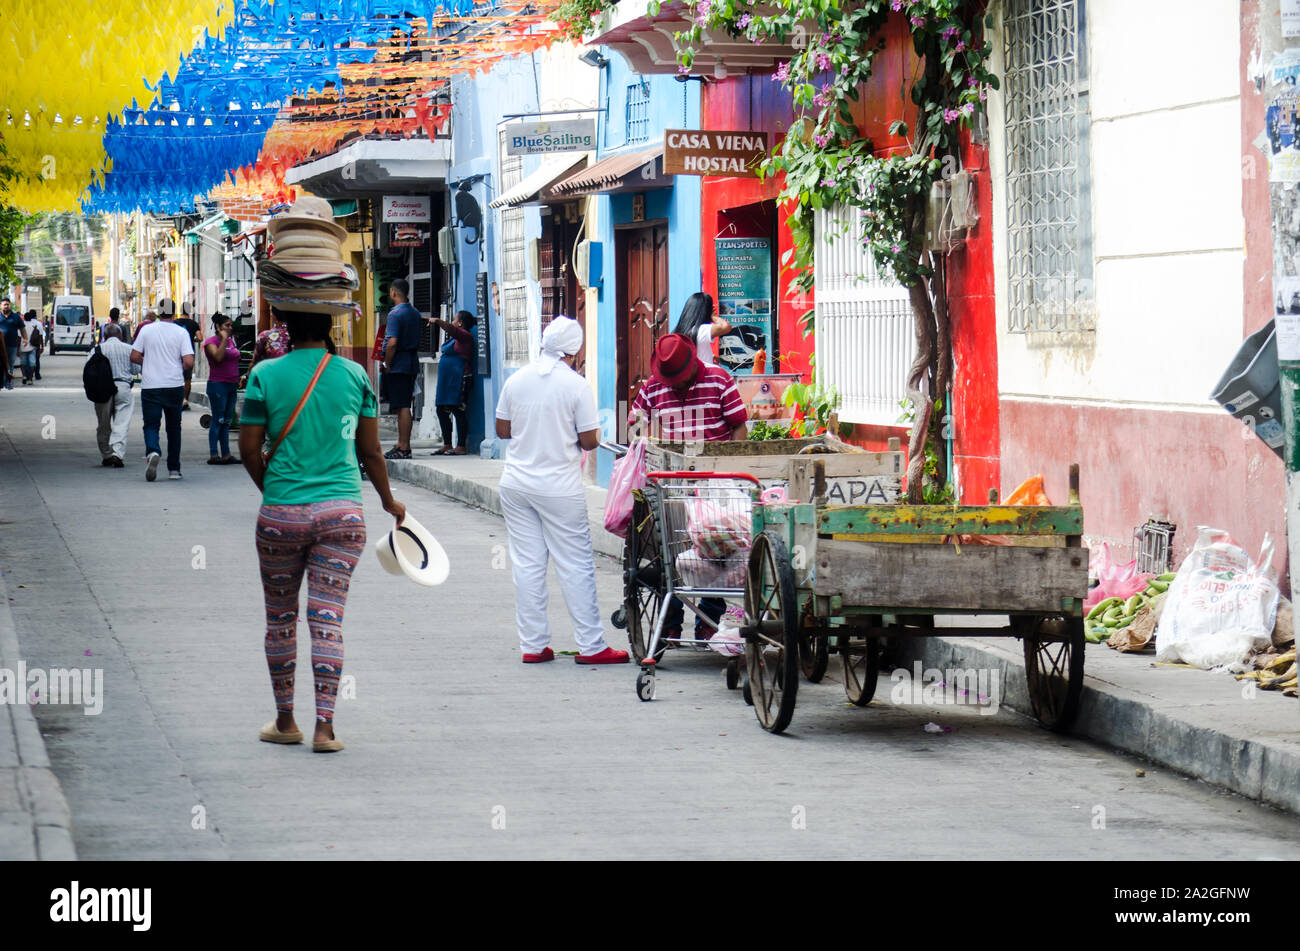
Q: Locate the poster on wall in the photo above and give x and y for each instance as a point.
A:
(744, 301)
(1290, 18)
(483, 327)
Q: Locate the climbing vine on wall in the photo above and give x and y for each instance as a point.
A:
(827, 161)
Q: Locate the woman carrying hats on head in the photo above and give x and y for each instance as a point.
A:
(547, 412)
(319, 413)
(686, 400)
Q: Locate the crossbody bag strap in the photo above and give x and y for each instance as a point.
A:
(320, 368)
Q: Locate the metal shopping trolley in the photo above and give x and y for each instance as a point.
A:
(688, 541)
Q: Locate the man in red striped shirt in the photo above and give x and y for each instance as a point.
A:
(684, 400)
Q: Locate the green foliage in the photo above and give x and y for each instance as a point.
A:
(815, 403)
(574, 17)
(824, 156)
(12, 223)
(764, 430)
(935, 488)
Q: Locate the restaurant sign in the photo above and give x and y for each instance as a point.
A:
(710, 152)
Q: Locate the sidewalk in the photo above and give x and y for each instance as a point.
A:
(1196, 722)
(35, 822)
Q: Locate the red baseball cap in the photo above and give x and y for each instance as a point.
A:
(675, 361)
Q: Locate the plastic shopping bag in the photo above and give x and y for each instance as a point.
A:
(719, 527)
(1221, 604)
(1114, 580)
(628, 476)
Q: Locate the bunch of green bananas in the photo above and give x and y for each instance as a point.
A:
(1113, 614)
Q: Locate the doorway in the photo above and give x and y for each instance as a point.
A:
(642, 273)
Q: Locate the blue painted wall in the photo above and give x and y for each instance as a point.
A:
(672, 105)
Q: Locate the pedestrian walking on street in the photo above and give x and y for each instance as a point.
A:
(321, 415)
(402, 357)
(270, 344)
(11, 327)
(30, 349)
(191, 327)
(223, 378)
(42, 337)
(114, 415)
(686, 400)
(547, 412)
(164, 352)
(150, 316)
(455, 380)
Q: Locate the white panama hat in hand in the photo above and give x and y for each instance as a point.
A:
(410, 549)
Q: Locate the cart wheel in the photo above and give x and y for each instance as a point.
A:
(860, 664)
(1053, 668)
(619, 619)
(814, 652)
(644, 581)
(645, 684)
(772, 650)
(744, 689)
(733, 673)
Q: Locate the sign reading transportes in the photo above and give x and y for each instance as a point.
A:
(545, 138)
(710, 152)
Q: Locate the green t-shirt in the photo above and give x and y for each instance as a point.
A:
(317, 460)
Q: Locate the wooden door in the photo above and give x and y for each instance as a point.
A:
(644, 302)
(558, 280)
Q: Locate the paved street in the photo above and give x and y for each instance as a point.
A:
(157, 584)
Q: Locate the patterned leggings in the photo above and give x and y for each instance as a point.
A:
(326, 540)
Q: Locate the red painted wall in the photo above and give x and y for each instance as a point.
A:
(757, 102)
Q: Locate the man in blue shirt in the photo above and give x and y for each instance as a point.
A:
(401, 355)
(11, 325)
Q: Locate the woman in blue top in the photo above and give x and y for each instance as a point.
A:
(455, 376)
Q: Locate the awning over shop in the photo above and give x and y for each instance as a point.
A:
(636, 171)
(371, 166)
(648, 43)
(528, 191)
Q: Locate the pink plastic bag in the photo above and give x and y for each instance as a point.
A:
(628, 476)
(1114, 580)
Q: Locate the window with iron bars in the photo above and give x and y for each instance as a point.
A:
(1049, 207)
(638, 113)
(514, 320)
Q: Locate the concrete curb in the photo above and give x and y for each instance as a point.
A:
(1261, 767)
(481, 492)
(39, 793)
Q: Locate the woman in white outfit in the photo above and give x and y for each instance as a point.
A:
(699, 324)
(547, 412)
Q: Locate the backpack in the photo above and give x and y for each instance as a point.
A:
(97, 378)
(36, 338)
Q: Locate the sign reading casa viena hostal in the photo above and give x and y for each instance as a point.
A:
(711, 152)
(543, 138)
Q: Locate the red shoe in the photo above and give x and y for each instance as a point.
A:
(541, 658)
(607, 656)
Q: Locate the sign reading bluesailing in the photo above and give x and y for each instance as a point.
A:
(544, 138)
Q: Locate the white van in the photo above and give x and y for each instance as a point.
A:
(74, 324)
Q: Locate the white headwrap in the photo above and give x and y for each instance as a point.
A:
(562, 338)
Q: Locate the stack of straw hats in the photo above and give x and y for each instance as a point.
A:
(305, 272)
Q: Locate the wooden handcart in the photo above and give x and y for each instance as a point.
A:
(826, 579)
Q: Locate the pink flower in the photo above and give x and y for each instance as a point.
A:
(968, 109)
(820, 99)
(949, 32)
(782, 72)
(821, 140)
(983, 94)
(823, 61)
(744, 21)
(896, 5)
(683, 69)
(918, 22)
(951, 115)
(972, 81)
(961, 45)
(844, 70)
(894, 249)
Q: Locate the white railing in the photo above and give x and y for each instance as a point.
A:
(865, 339)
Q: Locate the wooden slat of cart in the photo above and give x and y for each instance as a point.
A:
(937, 577)
(950, 520)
